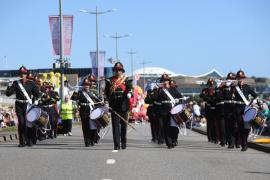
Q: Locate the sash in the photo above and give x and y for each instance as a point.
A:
(89, 99)
(173, 102)
(24, 92)
(242, 95)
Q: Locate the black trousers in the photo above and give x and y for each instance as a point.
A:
(25, 133)
(232, 124)
(86, 128)
(154, 126)
(119, 128)
(221, 124)
(212, 129)
(166, 128)
(160, 129)
(67, 125)
(174, 131)
(244, 130)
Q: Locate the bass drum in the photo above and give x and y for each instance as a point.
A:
(37, 117)
(101, 115)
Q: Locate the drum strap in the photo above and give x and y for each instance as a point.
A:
(170, 96)
(89, 99)
(24, 92)
(242, 95)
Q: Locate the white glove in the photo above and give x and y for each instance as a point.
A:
(129, 95)
(185, 98)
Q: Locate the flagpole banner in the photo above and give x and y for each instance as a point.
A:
(67, 34)
(101, 63)
(98, 68)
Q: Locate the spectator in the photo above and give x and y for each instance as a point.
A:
(66, 113)
(7, 120)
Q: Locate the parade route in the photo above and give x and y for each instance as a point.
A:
(67, 158)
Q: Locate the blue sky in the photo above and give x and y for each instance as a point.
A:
(185, 36)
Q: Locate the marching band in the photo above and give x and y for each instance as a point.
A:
(228, 109)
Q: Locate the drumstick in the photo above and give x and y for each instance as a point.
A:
(122, 118)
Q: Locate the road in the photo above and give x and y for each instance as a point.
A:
(66, 158)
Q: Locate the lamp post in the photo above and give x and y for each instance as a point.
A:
(116, 37)
(132, 64)
(62, 62)
(97, 13)
(143, 64)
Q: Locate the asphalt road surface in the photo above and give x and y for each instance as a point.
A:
(66, 158)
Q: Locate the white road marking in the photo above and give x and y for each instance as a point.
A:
(114, 151)
(110, 161)
(106, 179)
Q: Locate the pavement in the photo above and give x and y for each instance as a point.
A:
(258, 146)
(66, 158)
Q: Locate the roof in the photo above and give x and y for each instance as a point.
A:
(158, 71)
(153, 71)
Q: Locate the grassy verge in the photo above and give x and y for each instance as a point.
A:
(9, 129)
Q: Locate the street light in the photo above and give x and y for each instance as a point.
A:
(116, 37)
(97, 13)
(143, 64)
(61, 59)
(132, 64)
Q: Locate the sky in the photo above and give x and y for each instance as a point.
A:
(185, 36)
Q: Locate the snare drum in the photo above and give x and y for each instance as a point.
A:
(36, 116)
(181, 113)
(101, 115)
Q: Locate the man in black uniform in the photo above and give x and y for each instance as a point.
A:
(174, 130)
(244, 128)
(84, 98)
(25, 133)
(48, 102)
(151, 111)
(165, 107)
(231, 129)
(209, 96)
(118, 90)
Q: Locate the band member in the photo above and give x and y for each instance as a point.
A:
(86, 100)
(174, 130)
(209, 96)
(24, 89)
(118, 91)
(48, 103)
(231, 129)
(164, 110)
(151, 111)
(244, 127)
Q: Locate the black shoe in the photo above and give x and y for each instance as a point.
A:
(30, 143)
(21, 145)
(170, 147)
(237, 146)
(230, 147)
(92, 143)
(34, 141)
(87, 145)
(124, 146)
(222, 144)
(244, 148)
(116, 148)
